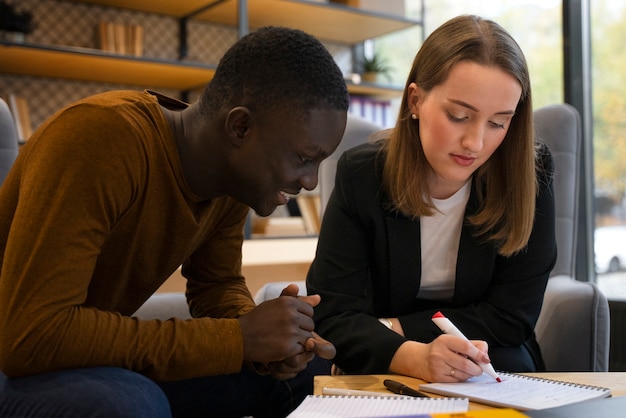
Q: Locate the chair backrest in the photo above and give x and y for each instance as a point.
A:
(559, 127)
(573, 329)
(8, 140)
(358, 130)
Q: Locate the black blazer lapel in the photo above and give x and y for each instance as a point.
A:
(472, 277)
(404, 261)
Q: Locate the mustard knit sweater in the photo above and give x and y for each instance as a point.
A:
(94, 216)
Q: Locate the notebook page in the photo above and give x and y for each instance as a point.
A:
(321, 406)
(518, 391)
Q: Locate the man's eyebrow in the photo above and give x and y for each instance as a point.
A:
(316, 152)
(469, 106)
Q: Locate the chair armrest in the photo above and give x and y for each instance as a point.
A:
(272, 290)
(573, 327)
(164, 306)
(174, 304)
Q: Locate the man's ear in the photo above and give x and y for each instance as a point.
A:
(237, 124)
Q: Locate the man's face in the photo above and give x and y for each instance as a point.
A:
(282, 155)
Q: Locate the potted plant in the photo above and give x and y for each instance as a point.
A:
(14, 24)
(375, 66)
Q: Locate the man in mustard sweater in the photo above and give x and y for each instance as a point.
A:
(114, 192)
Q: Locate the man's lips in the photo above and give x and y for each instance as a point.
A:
(285, 196)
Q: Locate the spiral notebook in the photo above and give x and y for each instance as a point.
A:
(518, 391)
(324, 406)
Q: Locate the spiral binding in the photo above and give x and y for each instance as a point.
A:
(554, 381)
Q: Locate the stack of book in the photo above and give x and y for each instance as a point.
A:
(120, 38)
(21, 116)
(309, 205)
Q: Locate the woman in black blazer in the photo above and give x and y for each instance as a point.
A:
(452, 210)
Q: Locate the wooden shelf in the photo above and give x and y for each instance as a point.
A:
(327, 21)
(172, 8)
(381, 91)
(95, 65)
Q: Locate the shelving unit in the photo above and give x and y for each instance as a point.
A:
(327, 21)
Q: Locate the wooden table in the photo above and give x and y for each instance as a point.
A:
(616, 381)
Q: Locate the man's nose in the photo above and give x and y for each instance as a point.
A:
(309, 179)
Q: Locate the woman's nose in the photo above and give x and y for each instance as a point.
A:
(473, 139)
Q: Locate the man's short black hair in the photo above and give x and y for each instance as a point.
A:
(276, 68)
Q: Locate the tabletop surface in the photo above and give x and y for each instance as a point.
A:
(616, 381)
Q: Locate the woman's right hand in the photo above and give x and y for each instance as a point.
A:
(445, 359)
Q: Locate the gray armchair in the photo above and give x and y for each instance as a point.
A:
(8, 140)
(164, 306)
(573, 327)
(358, 131)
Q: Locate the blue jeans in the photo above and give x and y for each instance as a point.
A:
(110, 392)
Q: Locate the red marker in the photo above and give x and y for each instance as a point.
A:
(448, 327)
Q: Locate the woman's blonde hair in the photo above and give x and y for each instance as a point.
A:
(506, 184)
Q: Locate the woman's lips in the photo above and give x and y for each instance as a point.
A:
(463, 160)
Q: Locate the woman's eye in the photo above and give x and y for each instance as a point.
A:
(497, 125)
(456, 119)
(305, 160)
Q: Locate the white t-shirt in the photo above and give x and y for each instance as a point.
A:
(440, 236)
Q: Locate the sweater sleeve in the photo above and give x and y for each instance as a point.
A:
(215, 286)
(58, 208)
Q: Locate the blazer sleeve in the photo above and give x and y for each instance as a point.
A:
(342, 270)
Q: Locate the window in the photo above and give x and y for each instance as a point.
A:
(608, 29)
(535, 25)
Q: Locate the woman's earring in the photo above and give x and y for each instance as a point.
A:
(413, 116)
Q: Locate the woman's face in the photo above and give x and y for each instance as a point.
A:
(463, 121)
